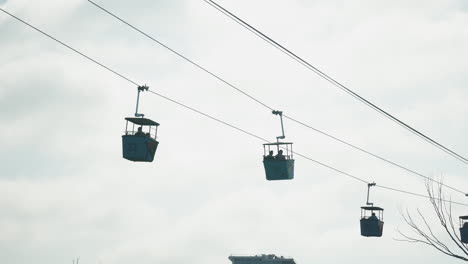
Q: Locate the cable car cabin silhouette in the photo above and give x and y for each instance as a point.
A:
(464, 229)
(140, 144)
(281, 165)
(371, 223)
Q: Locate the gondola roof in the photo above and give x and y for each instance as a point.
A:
(372, 208)
(142, 121)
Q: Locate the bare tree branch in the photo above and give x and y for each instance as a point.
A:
(425, 234)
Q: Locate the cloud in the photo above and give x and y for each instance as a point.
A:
(65, 191)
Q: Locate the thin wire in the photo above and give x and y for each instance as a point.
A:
(268, 107)
(377, 156)
(69, 47)
(181, 56)
(332, 168)
(333, 81)
(416, 194)
(211, 117)
(208, 116)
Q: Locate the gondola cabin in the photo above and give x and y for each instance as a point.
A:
(139, 142)
(464, 229)
(371, 221)
(278, 161)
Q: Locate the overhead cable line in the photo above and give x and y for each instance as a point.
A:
(182, 56)
(212, 117)
(335, 82)
(266, 105)
(69, 47)
(376, 156)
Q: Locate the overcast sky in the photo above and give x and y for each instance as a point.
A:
(65, 190)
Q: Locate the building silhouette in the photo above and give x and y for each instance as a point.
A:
(261, 259)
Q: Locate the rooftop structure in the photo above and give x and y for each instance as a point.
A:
(261, 259)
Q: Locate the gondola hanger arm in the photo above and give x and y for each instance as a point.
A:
(140, 89)
(280, 113)
(369, 185)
